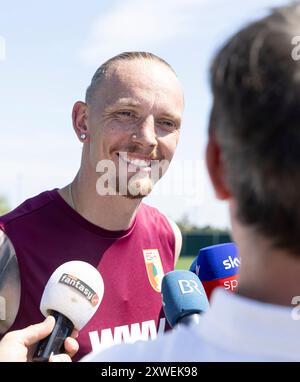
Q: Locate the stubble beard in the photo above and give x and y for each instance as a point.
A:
(138, 186)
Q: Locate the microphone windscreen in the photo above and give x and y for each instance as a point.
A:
(217, 261)
(218, 265)
(75, 289)
(182, 294)
(193, 266)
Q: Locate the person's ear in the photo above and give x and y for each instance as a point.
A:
(79, 118)
(216, 168)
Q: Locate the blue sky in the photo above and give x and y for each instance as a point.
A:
(53, 48)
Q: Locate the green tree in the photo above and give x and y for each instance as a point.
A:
(186, 226)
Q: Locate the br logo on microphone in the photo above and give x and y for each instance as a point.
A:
(189, 286)
(81, 287)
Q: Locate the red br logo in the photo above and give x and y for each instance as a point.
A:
(95, 300)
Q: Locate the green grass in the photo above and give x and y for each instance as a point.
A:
(184, 262)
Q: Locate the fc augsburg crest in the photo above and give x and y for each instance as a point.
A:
(154, 268)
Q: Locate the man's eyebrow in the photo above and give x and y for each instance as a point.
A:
(124, 102)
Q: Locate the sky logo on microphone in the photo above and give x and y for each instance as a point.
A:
(217, 262)
(81, 287)
(231, 262)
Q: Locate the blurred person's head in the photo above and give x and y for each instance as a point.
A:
(253, 153)
(132, 115)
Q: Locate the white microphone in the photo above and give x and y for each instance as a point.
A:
(72, 295)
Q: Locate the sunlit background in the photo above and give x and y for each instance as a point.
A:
(49, 52)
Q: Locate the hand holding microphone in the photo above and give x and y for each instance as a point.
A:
(72, 295)
(16, 346)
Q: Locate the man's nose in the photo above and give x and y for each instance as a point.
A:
(145, 134)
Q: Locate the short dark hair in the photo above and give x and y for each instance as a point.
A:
(125, 56)
(256, 121)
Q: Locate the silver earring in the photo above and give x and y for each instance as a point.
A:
(134, 136)
(82, 135)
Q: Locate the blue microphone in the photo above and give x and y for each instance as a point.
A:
(193, 267)
(217, 265)
(184, 298)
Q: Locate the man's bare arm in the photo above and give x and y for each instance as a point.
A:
(10, 286)
(178, 239)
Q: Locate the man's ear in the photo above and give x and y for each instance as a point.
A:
(79, 118)
(216, 168)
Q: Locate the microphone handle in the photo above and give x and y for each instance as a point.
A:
(54, 343)
(189, 319)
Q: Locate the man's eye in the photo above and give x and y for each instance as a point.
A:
(125, 113)
(167, 123)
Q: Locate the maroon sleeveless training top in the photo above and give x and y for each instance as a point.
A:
(47, 232)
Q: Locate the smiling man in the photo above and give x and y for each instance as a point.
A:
(129, 127)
